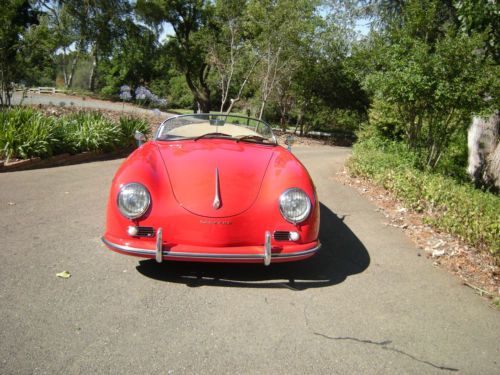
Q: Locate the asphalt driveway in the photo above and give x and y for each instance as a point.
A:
(367, 304)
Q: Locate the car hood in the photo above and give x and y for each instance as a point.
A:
(195, 168)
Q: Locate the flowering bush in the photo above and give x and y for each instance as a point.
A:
(144, 94)
(125, 94)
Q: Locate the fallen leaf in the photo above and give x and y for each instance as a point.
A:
(63, 275)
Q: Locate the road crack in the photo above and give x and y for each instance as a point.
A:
(382, 344)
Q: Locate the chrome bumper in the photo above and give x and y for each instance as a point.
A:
(159, 252)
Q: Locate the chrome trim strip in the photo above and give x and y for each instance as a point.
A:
(159, 245)
(216, 204)
(134, 250)
(267, 249)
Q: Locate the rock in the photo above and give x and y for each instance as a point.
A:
(437, 253)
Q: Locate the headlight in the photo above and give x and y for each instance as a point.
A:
(295, 205)
(133, 200)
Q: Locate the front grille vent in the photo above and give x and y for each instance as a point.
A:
(280, 235)
(145, 232)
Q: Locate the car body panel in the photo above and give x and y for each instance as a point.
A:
(180, 176)
(191, 167)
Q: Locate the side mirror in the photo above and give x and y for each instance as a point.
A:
(289, 141)
(140, 138)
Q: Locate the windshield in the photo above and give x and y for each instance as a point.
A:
(199, 126)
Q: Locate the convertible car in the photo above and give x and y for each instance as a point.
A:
(213, 188)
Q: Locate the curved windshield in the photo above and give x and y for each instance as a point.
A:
(200, 126)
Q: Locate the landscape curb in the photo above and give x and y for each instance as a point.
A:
(63, 159)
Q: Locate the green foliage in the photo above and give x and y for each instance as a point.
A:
(457, 208)
(81, 74)
(481, 16)
(179, 94)
(430, 79)
(26, 133)
(129, 125)
(15, 17)
(191, 21)
(134, 61)
(88, 131)
(37, 55)
(384, 121)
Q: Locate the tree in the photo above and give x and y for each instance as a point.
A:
(92, 27)
(66, 35)
(318, 87)
(230, 50)
(277, 27)
(38, 54)
(481, 16)
(133, 59)
(191, 22)
(100, 23)
(431, 78)
(16, 16)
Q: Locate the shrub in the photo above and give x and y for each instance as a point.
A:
(88, 131)
(180, 94)
(448, 205)
(25, 133)
(429, 78)
(129, 125)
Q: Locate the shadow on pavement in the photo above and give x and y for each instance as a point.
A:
(341, 255)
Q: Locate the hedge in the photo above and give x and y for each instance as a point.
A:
(459, 209)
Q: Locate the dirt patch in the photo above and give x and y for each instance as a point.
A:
(477, 269)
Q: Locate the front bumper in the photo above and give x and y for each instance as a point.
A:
(235, 254)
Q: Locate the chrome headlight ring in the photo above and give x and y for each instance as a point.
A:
(295, 205)
(133, 200)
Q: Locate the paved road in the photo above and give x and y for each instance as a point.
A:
(367, 304)
(79, 101)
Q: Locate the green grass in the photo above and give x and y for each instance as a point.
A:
(180, 111)
(457, 208)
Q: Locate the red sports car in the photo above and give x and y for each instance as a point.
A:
(216, 188)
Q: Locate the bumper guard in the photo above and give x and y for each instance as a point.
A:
(159, 253)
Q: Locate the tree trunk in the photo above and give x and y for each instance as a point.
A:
(72, 71)
(64, 63)
(282, 120)
(204, 105)
(201, 94)
(5, 92)
(232, 102)
(238, 97)
(262, 106)
(1, 88)
(93, 70)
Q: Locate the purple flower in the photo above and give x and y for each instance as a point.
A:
(125, 93)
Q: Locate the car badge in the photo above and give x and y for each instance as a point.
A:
(217, 203)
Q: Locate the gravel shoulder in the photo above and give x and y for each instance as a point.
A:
(476, 269)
